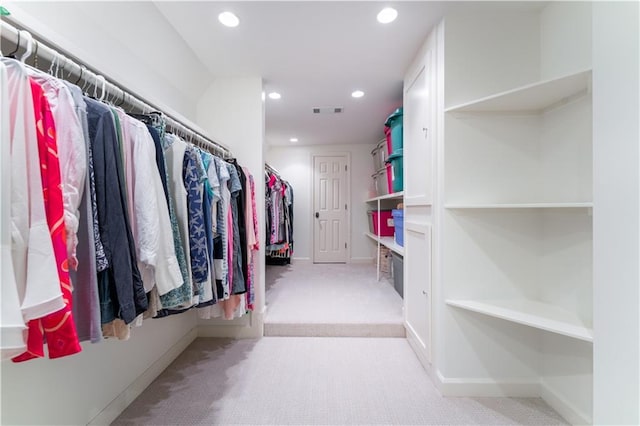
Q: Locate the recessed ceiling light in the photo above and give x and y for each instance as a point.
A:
(386, 15)
(293, 140)
(228, 19)
(274, 95)
(357, 94)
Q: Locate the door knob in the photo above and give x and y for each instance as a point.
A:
(317, 215)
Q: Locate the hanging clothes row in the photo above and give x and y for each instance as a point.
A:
(279, 218)
(108, 219)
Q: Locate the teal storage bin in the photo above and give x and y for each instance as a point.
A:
(396, 160)
(394, 122)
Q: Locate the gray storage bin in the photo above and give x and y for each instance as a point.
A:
(380, 182)
(379, 155)
(398, 274)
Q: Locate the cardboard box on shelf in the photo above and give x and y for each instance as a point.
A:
(385, 260)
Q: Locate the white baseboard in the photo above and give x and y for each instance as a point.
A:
(418, 347)
(484, 387)
(126, 397)
(308, 260)
(243, 328)
(333, 330)
(359, 260)
(563, 407)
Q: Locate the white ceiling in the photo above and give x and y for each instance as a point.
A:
(315, 53)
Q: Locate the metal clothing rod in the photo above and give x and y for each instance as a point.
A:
(268, 167)
(69, 68)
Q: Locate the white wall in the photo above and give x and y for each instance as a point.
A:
(565, 32)
(149, 57)
(76, 389)
(295, 165)
(475, 42)
(616, 153)
(232, 110)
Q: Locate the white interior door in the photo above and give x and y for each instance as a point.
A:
(330, 209)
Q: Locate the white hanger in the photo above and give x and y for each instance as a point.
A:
(52, 65)
(104, 86)
(27, 53)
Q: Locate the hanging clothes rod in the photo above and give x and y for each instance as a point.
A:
(271, 169)
(75, 71)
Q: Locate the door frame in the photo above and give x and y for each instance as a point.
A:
(347, 156)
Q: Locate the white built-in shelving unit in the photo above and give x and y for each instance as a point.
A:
(389, 242)
(388, 200)
(539, 216)
(514, 275)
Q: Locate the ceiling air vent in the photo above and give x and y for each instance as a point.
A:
(328, 110)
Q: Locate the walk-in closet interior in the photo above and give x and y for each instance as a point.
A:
(306, 212)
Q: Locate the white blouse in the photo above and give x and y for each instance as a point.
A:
(153, 234)
(34, 262)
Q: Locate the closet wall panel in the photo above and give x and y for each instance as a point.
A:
(148, 63)
(96, 384)
(232, 110)
(616, 213)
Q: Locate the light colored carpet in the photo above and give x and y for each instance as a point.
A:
(312, 381)
(305, 299)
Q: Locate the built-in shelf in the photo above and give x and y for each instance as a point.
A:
(521, 206)
(532, 97)
(393, 196)
(387, 242)
(531, 313)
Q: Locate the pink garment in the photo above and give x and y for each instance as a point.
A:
(71, 151)
(58, 327)
(229, 306)
(253, 243)
(272, 180)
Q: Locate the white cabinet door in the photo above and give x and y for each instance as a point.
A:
(418, 134)
(417, 282)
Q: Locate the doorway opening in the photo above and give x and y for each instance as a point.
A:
(329, 293)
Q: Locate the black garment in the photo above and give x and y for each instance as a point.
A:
(120, 285)
(238, 283)
(242, 226)
(160, 161)
(218, 259)
(290, 219)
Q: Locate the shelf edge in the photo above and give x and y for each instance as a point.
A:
(461, 107)
(395, 195)
(520, 206)
(586, 335)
